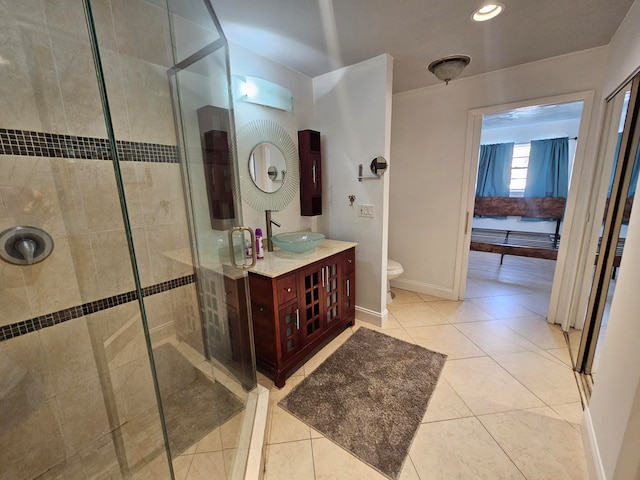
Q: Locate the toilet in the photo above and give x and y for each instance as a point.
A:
(394, 270)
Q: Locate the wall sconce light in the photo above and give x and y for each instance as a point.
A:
(448, 68)
(262, 92)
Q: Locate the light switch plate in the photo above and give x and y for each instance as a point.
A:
(366, 210)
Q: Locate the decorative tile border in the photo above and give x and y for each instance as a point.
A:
(43, 321)
(40, 144)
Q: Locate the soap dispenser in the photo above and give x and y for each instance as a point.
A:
(259, 249)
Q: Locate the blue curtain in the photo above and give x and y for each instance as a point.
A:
(548, 171)
(494, 170)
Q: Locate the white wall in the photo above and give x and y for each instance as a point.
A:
(612, 420)
(245, 62)
(353, 112)
(429, 132)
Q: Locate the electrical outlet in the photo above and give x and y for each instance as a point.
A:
(366, 210)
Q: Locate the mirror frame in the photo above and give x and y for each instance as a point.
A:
(249, 136)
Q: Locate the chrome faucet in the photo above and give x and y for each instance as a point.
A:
(269, 233)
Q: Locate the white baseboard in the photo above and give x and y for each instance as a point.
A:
(419, 287)
(591, 450)
(375, 318)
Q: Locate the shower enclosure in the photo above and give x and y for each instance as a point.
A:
(127, 352)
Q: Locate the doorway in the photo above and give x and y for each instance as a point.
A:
(506, 116)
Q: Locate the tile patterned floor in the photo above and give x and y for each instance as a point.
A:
(507, 404)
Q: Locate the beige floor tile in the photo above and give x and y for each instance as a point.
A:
(390, 324)
(230, 431)
(408, 471)
(536, 302)
(181, 466)
(445, 404)
(405, 296)
(335, 463)
(289, 461)
(211, 443)
(276, 394)
(206, 466)
(495, 337)
(460, 449)
(455, 312)
(485, 387)
(553, 383)
(571, 412)
(502, 307)
(286, 428)
(416, 314)
(537, 330)
(429, 298)
(562, 354)
(445, 339)
(540, 443)
(476, 289)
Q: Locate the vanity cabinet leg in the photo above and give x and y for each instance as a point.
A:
(278, 380)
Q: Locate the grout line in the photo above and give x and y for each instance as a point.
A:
(501, 448)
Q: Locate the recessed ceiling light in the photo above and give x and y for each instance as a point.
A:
(487, 12)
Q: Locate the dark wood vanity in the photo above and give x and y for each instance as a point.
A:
(297, 311)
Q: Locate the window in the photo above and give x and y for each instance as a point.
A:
(519, 166)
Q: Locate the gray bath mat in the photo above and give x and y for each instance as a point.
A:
(369, 397)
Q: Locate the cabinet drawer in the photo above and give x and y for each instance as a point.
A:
(286, 287)
(349, 260)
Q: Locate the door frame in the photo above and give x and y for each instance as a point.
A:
(565, 274)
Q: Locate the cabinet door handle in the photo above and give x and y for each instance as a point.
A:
(348, 288)
(298, 318)
(322, 274)
(314, 174)
(288, 289)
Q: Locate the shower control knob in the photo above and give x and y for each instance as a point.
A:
(27, 248)
(25, 245)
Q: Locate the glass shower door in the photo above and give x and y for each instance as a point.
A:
(107, 367)
(621, 144)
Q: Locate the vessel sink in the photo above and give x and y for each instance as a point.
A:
(298, 242)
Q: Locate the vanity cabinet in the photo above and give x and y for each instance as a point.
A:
(310, 173)
(297, 313)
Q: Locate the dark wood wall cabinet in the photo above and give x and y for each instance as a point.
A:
(310, 173)
(218, 170)
(298, 312)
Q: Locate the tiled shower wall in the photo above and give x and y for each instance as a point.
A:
(79, 394)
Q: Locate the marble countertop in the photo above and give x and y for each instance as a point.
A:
(279, 262)
(274, 264)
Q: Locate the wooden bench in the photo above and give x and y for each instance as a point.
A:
(529, 244)
(510, 242)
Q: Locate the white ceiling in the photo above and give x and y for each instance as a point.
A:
(316, 36)
(533, 115)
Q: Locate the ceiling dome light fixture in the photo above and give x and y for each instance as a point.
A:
(487, 12)
(448, 68)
